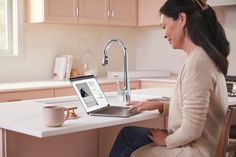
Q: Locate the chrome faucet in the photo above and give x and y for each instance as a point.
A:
(126, 90)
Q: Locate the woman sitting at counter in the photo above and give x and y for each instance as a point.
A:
(199, 103)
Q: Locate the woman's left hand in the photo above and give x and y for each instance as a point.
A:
(158, 136)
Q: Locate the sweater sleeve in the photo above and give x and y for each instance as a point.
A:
(196, 87)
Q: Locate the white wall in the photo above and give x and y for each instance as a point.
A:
(146, 46)
(230, 28)
(154, 52)
(43, 42)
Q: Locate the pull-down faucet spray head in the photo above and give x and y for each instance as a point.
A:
(105, 60)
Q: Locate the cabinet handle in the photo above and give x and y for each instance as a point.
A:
(77, 11)
(112, 13)
(108, 13)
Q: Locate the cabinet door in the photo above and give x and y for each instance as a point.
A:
(61, 11)
(153, 84)
(52, 11)
(26, 95)
(93, 11)
(148, 11)
(109, 87)
(64, 92)
(123, 12)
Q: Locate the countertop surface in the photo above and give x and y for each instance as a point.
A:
(26, 116)
(36, 85)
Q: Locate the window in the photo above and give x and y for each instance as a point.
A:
(8, 27)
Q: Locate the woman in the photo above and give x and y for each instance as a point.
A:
(199, 103)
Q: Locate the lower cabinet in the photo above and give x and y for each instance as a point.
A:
(69, 91)
(156, 84)
(26, 95)
(108, 87)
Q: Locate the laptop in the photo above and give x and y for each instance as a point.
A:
(94, 100)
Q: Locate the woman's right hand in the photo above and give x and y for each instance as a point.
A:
(140, 106)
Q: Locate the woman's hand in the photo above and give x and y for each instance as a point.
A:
(158, 136)
(145, 105)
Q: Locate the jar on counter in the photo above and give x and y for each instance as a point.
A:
(89, 64)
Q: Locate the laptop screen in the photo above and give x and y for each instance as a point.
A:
(89, 92)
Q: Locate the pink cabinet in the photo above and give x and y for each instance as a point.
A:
(93, 11)
(156, 84)
(108, 12)
(123, 12)
(103, 12)
(67, 91)
(148, 12)
(52, 11)
(108, 87)
(26, 95)
(63, 11)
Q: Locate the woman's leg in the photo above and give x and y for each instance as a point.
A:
(128, 140)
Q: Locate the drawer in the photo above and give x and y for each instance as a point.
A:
(108, 87)
(153, 84)
(64, 92)
(26, 95)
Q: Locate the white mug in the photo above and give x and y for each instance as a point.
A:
(54, 116)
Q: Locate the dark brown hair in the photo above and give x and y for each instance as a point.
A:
(203, 29)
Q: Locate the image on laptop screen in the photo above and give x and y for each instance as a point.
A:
(90, 93)
(86, 94)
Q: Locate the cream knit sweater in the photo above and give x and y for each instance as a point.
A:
(196, 111)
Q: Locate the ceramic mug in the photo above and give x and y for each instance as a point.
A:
(54, 116)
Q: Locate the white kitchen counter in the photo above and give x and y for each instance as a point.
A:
(36, 85)
(26, 116)
(21, 125)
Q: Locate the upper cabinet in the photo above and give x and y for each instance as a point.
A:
(52, 11)
(221, 2)
(102, 12)
(123, 12)
(93, 11)
(148, 12)
(114, 12)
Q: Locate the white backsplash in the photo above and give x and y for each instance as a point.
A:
(153, 51)
(147, 49)
(43, 42)
(230, 27)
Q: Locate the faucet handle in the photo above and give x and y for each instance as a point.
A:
(125, 93)
(119, 92)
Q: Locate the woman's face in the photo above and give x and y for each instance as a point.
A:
(173, 31)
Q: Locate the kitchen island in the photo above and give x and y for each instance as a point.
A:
(23, 133)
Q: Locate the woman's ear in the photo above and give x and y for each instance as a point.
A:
(182, 19)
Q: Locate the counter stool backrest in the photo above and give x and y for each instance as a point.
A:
(225, 144)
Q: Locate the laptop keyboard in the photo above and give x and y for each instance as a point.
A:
(113, 110)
